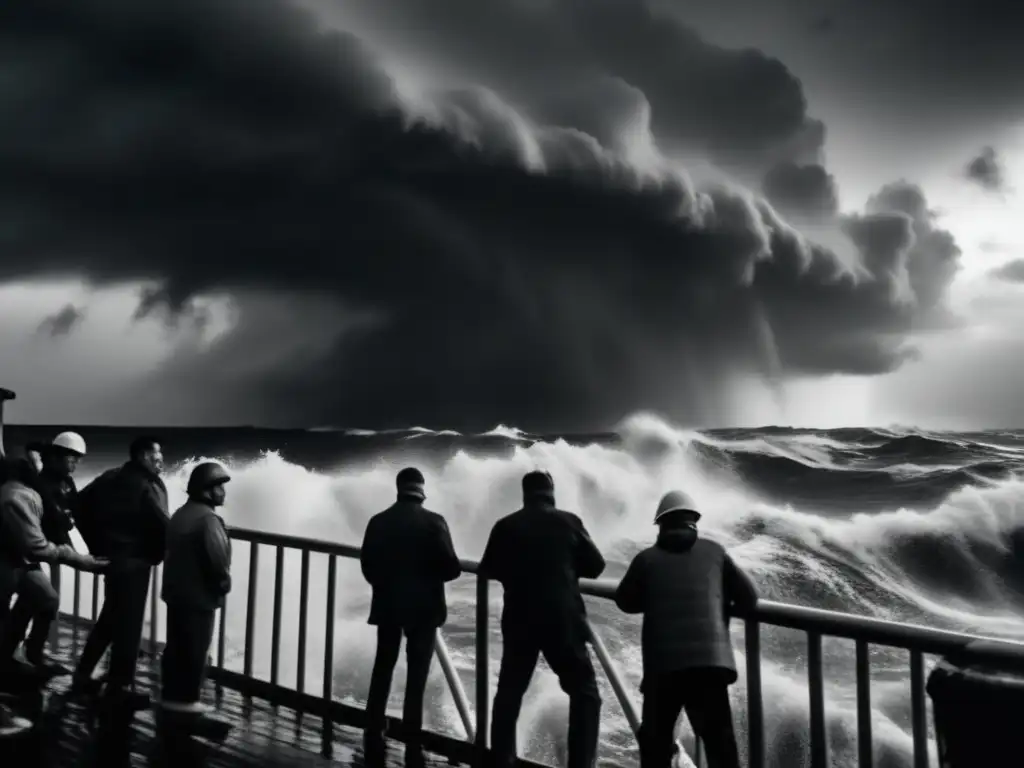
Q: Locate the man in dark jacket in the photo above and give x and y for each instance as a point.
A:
(539, 554)
(125, 514)
(407, 557)
(685, 587)
(196, 579)
(22, 547)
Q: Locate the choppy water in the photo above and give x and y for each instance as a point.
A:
(897, 524)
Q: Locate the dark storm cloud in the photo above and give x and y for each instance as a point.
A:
(63, 322)
(986, 170)
(511, 270)
(808, 190)
(1011, 272)
(742, 108)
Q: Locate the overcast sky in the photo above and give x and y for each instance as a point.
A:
(545, 213)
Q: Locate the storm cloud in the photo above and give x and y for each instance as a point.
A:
(62, 322)
(986, 170)
(477, 252)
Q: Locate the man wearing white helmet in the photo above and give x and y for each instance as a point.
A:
(56, 487)
(685, 586)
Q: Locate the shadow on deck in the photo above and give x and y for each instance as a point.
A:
(264, 735)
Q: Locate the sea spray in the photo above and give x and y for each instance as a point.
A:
(884, 503)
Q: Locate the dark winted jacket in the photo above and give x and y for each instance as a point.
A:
(407, 557)
(684, 587)
(197, 566)
(539, 554)
(60, 505)
(123, 514)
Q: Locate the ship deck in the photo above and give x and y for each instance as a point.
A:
(264, 735)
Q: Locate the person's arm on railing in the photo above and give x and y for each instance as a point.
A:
(492, 563)
(21, 527)
(449, 566)
(631, 593)
(156, 520)
(589, 560)
(740, 591)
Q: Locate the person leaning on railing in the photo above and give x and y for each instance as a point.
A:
(22, 547)
(686, 587)
(539, 554)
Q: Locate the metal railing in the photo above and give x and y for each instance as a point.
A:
(816, 623)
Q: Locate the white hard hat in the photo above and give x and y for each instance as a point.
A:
(676, 501)
(71, 442)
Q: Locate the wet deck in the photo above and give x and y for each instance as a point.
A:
(263, 735)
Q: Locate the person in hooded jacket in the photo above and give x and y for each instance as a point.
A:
(686, 586)
(123, 516)
(407, 557)
(539, 554)
(196, 579)
(22, 547)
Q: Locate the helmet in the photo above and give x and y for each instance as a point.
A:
(206, 476)
(676, 501)
(72, 442)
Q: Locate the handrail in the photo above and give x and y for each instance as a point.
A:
(833, 623)
(816, 623)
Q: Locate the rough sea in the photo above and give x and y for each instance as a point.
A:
(893, 523)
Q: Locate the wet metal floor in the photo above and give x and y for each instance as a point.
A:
(263, 735)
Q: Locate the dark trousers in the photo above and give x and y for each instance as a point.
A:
(419, 653)
(38, 603)
(183, 666)
(704, 694)
(119, 625)
(570, 661)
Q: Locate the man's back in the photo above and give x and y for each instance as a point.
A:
(407, 556)
(684, 586)
(539, 554)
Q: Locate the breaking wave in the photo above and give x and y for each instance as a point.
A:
(899, 524)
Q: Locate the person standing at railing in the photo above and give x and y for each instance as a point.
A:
(686, 587)
(55, 483)
(407, 557)
(123, 515)
(539, 554)
(22, 547)
(196, 579)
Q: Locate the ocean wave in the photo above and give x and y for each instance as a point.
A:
(909, 526)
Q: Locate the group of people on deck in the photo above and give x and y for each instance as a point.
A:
(124, 521)
(685, 586)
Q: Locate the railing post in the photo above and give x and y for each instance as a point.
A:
(154, 605)
(483, 670)
(275, 631)
(454, 685)
(300, 665)
(919, 711)
(865, 745)
(77, 608)
(250, 609)
(327, 735)
(816, 686)
(755, 700)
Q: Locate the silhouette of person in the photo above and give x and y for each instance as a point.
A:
(196, 579)
(125, 513)
(407, 557)
(684, 586)
(539, 553)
